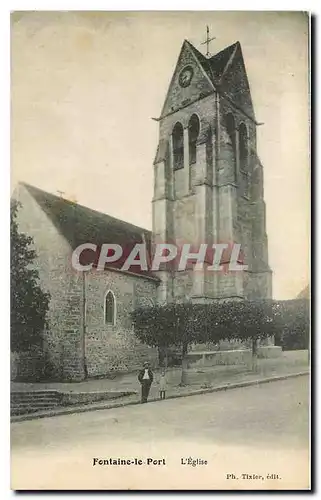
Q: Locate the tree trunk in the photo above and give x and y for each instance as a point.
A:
(254, 354)
(166, 358)
(184, 365)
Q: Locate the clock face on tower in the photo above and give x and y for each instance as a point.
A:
(185, 76)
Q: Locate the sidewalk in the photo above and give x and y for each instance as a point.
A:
(199, 381)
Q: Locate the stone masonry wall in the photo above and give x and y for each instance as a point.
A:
(109, 347)
(180, 96)
(62, 341)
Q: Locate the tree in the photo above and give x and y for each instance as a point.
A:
(29, 304)
(165, 326)
(292, 323)
(184, 324)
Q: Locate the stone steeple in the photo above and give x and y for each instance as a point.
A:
(208, 177)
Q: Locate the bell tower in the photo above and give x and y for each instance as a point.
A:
(208, 179)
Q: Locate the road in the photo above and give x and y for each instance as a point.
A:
(250, 438)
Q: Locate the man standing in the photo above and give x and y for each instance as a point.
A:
(145, 377)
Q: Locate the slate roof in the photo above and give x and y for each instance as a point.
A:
(215, 65)
(79, 224)
(226, 72)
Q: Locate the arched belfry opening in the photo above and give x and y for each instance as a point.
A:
(243, 147)
(193, 133)
(178, 146)
(209, 186)
(231, 132)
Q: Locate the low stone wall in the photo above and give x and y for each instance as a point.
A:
(234, 357)
(269, 351)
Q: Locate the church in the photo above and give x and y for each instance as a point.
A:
(208, 188)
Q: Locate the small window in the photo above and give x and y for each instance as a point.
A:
(178, 146)
(243, 142)
(110, 308)
(193, 131)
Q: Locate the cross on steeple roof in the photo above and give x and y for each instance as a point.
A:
(207, 41)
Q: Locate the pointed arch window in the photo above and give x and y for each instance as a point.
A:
(244, 148)
(178, 146)
(110, 308)
(193, 132)
(230, 127)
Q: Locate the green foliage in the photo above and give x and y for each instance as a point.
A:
(184, 324)
(292, 324)
(187, 323)
(29, 304)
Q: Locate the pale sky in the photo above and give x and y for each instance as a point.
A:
(86, 85)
